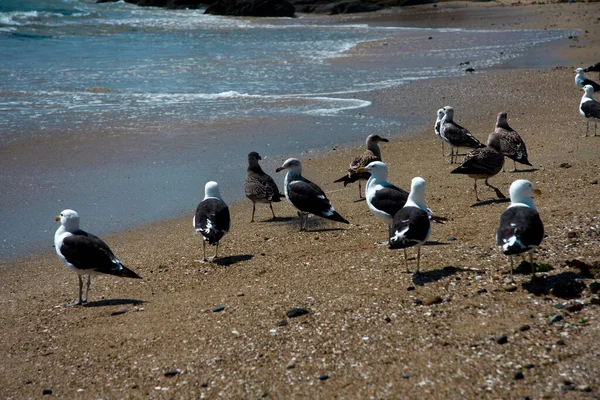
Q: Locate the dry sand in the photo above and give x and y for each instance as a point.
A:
(365, 329)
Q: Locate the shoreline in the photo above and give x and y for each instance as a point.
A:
(365, 329)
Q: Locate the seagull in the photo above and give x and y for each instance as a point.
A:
(85, 254)
(305, 196)
(259, 187)
(589, 109)
(482, 163)
(436, 127)
(509, 142)
(593, 68)
(383, 198)
(411, 226)
(373, 153)
(521, 229)
(581, 80)
(212, 218)
(456, 135)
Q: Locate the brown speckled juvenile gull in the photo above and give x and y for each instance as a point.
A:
(509, 142)
(373, 153)
(259, 186)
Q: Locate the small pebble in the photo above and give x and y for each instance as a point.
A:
(240, 294)
(483, 290)
(556, 318)
(510, 288)
(595, 182)
(171, 372)
(119, 311)
(519, 375)
(410, 288)
(451, 239)
(418, 302)
(282, 322)
(433, 300)
(524, 328)
(291, 364)
(530, 366)
(406, 376)
(296, 312)
(502, 339)
(323, 377)
(265, 394)
(387, 319)
(584, 388)
(560, 306)
(204, 384)
(561, 342)
(574, 307)
(46, 392)
(218, 309)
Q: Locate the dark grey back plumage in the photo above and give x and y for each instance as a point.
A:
(212, 219)
(458, 136)
(416, 221)
(591, 68)
(590, 109)
(390, 199)
(521, 226)
(308, 197)
(88, 252)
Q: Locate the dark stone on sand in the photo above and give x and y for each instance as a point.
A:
(451, 239)
(524, 328)
(410, 288)
(323, 377)
(510, 288)
(240, 294)
(387, 319)
(406, 376)
(584, 388)
(470, 69)
(351, 7)
(594, 287)
(265, 395)
(561, 342)
(171, 372)
(575, 307)
(502, 339)
(556, 319)
(282, 322)
(46, 392)
(519, 375)
(204, 384)
(218, 308)
(252, 8)
(418, 302)
(595, 301)
(433, 300)
(296, 312)
(595, 182)
(483, 290)
(530, 366)
(559, 306)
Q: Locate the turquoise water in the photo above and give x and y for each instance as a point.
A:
(71, 70)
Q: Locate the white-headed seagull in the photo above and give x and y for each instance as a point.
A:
(85, 254)
(456, 135)
(581, 80)
(437, 126)
(521, 229)
(589, 109)
(212, 218)
(411, 226)
(305, 196)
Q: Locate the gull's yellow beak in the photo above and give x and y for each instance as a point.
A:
(57, 218)
(361, 170)
(537, 192)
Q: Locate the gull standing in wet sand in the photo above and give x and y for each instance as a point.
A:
(509, 142)
(212, 218)
(259, 186)
(373, 153)
(411, 226)
(456, 135)
(482, 164)
(521, 229)
(305, 196)
(589, 109)
(85, 254)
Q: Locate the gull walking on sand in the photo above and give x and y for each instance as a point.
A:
(212, 218)
(372, 153)
(259, 186)
(509, 142)
(589, 109)
(305, 196)
(85, 254)
(456, 135)
(521, 229)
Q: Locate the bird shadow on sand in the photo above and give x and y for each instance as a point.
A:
(359, 200)
(520, 171)
(324, 230)
(491, 201)
(566, 285)
(435, 243)
(423, 277)
(281, 219)
(114, 302)
(230, 260)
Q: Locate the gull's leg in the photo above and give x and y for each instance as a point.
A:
(305, 221)
(475, 187)
(203, 250)
(272, 212)
(511, 268)
(451, 155)
(418, 258)
(253, 209)
(216, 251)
(87, 288)
(595, 128)
(79, 301)
(514, 167)
(406, 261)
(532, 266)
(587, 128)
(498, 192)
(359, 190)
(301, 215)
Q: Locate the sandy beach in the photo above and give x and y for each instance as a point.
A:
(457, 330)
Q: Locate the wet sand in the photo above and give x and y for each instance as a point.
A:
(365, 329)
